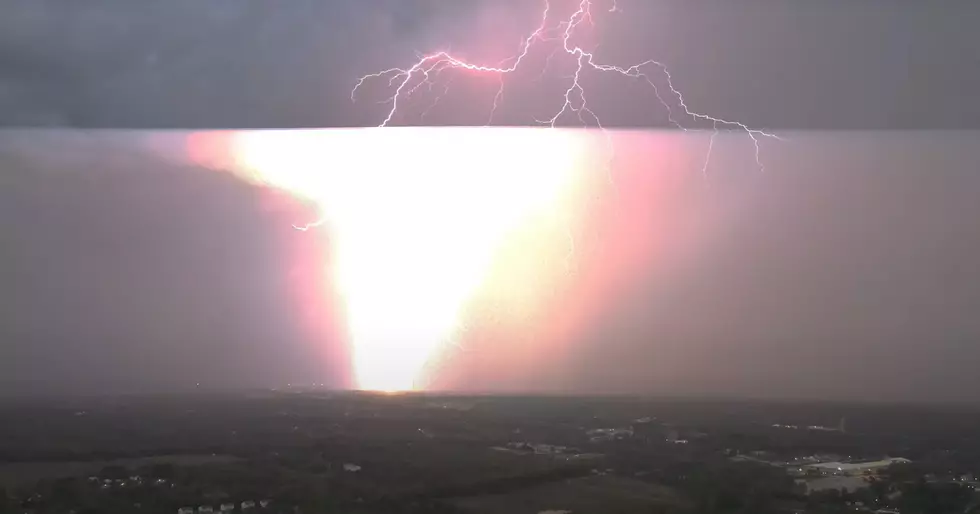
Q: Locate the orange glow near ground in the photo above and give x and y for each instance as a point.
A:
(418, 219)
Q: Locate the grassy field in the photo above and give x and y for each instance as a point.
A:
(14, 474)
(595, 494)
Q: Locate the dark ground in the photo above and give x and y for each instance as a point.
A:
(438, 453)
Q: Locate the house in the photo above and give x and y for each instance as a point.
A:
(854, 468)
(609, 434)
(847, 483)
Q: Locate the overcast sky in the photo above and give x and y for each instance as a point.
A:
(251, 63)
(846, 270)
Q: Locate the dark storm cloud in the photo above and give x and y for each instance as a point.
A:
(251, 63)
(123, 281)
(846, 270)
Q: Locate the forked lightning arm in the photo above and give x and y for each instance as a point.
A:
(407, 80)
(559, 34)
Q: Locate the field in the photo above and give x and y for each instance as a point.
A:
(18, 473)
(357, 453)
(586, 495)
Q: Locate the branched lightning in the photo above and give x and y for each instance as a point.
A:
(427, 68)
(306, 227)
(434, 73)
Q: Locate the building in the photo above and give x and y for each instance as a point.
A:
(854, 468)
(847, 483)
(609, 434)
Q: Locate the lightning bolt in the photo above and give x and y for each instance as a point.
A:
(557, 34)
(428, 68)
(306, 227)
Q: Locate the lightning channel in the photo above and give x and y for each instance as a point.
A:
(427, 70)
(407, 80)
(433, 73)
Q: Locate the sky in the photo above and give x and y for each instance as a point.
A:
(777, 64)
(844, 270)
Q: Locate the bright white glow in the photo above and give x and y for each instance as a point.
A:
(416, 216)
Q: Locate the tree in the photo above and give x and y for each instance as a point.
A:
(65, 491)
(5, 503)
(164, 470)
(114, 472)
